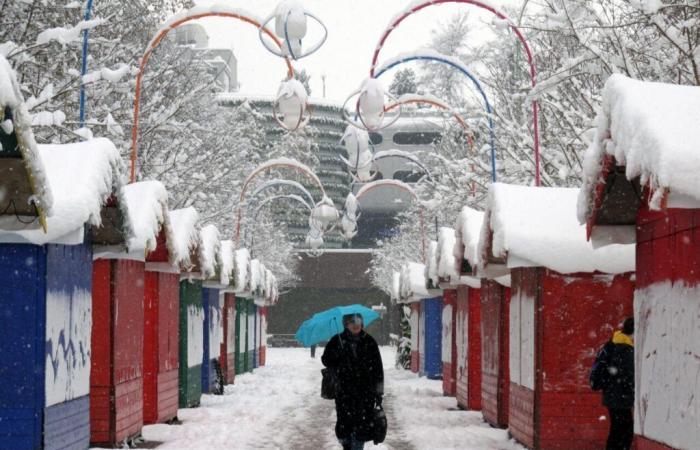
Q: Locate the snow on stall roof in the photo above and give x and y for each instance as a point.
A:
(82, 177)
(395, 286)
(183, 235)
(254, 275)
(269, 282)
(10, 95)
(651, 129)
(414, 284)
(536, 226)
(448, 265)
(147, 209)
(468, 232)
(242, 270)
(209, 247)
(227, 263)
(433, 263)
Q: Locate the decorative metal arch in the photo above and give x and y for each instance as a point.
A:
(266, 202)
(405, 187)
(463, 71)
(158, 38)
(531, 61)
(281, 182)
(265, 167)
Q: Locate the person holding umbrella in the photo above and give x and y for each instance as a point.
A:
(354, 356)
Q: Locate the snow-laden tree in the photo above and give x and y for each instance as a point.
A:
(200, 151)
(405, 82)
(577, 45)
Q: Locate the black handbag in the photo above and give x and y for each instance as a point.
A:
(329, 383)
(380, 425)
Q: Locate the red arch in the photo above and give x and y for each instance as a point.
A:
(518, 33)
(154, 44)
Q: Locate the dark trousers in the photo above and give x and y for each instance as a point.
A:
(621, 429)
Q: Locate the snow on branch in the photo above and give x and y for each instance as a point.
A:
(67, 35)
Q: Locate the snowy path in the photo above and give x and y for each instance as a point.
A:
(279, 407)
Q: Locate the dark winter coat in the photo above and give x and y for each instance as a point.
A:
(618, 391)
(358, 365)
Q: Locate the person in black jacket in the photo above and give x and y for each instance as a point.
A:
(354, 355)
(618, 388)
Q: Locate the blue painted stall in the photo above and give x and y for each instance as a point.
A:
(206, 362)
(212, 338)
(431, 352)
(45, 350)
(50, 193)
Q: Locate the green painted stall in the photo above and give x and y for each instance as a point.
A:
(241, 335)
(191, 342)
(250, 341)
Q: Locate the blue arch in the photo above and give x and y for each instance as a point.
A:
(464, 71)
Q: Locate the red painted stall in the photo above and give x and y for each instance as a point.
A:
(447, 271)
(161, 336)
(567, 300)
(228, 346)
(119, 281)
(559, 410)
(412, 289)
(415, 337)
(649, 194)
(468, 335)
(263, 335)
(449, 342)
(495, 374)
(226, 277)
(468, 309)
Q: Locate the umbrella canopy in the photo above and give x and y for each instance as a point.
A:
(326, 324)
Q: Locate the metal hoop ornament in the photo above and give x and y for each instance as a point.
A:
(287, 44)
(362, 125)
(301, 123)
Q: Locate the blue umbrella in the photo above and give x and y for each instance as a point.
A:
(326, 324)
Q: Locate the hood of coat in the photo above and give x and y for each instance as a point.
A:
(621, 338)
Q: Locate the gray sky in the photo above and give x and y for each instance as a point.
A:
(354, 27)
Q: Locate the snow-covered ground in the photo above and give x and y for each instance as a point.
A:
(280, 407)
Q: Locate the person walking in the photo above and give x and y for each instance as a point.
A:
(355, 358)
(614, 374)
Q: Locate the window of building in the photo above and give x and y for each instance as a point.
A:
(408, 176)
(417, 138)
(375, 138)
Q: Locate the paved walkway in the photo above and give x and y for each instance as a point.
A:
(279, 407)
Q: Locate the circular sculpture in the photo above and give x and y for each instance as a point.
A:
(291, 23)
(370, 112)
(290, 106)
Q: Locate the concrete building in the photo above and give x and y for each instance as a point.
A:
(222, 63)
(326, 128)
